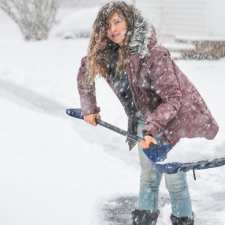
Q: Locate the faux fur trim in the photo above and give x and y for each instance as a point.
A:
(142, 35)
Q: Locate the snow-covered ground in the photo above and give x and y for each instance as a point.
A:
(55, 170)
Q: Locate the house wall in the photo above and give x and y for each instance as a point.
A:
(216, 18)
(201, 18)
(151, 9)
(184, 17)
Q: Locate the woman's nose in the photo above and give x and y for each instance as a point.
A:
(112, 28)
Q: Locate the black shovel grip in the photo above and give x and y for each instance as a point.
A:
(75, 113)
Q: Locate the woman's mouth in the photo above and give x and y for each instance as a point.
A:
(116, 35)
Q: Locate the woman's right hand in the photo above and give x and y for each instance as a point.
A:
(91, 118)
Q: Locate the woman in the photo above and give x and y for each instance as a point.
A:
(159, 100)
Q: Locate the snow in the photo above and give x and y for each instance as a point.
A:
(56, 170)
(74, 24)
(44, 181)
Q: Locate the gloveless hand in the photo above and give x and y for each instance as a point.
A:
(91, 118)
(147, 141)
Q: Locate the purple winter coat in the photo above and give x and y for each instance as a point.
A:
(162, 93)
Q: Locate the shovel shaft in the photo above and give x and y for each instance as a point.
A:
(74, 112)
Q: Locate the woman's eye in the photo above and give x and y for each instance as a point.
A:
(117, 21)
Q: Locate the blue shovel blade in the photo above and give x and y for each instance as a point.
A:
(158, 152)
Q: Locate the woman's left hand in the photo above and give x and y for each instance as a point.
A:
(147, 141)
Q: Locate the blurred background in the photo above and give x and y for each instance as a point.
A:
(189, 28)
(55, 170)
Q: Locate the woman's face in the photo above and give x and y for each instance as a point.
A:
(117, 28)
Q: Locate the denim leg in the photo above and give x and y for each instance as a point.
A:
(149, 181)
(179, 194)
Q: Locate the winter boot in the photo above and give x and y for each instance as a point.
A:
(144, 217)
(182, 220)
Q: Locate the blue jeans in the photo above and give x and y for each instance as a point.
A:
(149, 186)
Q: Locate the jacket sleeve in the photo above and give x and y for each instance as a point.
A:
(86, 89)
(166, 85)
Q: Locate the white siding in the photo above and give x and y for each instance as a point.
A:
(178, 17)
(151, 9)
(216, 18)
(184, 17)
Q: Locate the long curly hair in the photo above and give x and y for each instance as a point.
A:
(100, 46)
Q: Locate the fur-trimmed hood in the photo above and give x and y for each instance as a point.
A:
(143, 37)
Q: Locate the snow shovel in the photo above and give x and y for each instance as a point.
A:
(156, 153)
